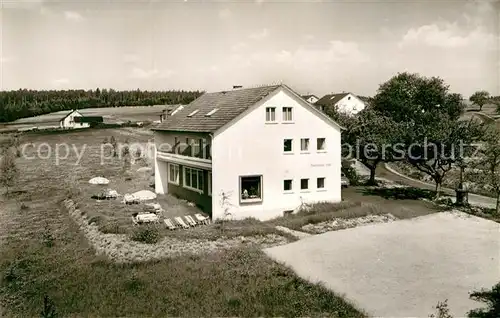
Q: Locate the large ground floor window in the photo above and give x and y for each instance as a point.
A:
(193, 179)
(251, 188)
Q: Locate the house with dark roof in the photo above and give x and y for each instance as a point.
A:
(343, 102)
(252, 152)
(69, 122)
(310, 98)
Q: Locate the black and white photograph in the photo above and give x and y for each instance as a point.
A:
(250, 158)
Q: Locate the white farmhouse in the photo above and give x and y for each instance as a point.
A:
(344, 102)
(311, 99)
(68, 121)
(256, 152)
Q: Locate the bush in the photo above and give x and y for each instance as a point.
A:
(352, 175)
(148, 235)
(111, 227)
(491, 298)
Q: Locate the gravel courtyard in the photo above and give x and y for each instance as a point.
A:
(403, 268)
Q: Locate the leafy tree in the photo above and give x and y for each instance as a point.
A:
(406, 96)
(435, 149)
(9, 172)
(490, 161)
(429, 114)
(373, 138)
(480, 98)
(492, 300)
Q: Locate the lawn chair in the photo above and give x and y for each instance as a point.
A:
(202, 219)
(170, 225)
(181, 222)
(190, 220)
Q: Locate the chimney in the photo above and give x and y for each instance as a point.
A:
(237, 86)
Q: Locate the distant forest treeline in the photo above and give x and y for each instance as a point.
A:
(27, 103)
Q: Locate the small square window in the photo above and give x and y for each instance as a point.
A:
(320, 183)
(270, 114)
(287, 145)
(304, 184)
(287, 185)
(304, 144)
(287, 114)
(320, 144)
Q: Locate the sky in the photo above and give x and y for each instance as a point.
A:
(315, 47)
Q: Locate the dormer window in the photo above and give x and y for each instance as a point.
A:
(193, 113)
(211, 112)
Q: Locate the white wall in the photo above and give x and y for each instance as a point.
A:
(69, 122)
(161, 175)
(252, 147)
(350, 104)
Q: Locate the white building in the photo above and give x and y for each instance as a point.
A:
(68, 121)
(310, 98)
(344, 102)
(257, 152)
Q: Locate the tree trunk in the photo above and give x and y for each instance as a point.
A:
(438, 190)
(497, 209)
(371, 181)
(480, 107)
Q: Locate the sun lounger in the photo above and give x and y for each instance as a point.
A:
(170, 225)
(202, 219)
(190, 220)
(181, 222)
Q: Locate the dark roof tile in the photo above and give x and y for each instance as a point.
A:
(230, 104)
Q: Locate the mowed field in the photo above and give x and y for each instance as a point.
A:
(43, 253)
(110, 114)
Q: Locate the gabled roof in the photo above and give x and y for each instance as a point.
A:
(331, 99)
(199, 115)
(70, 112)
(306, 97)
(230, 104)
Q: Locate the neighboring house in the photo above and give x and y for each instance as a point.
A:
(310, 98)
(343, 102)
(266, 149)
(68, 121)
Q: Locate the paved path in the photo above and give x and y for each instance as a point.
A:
(385, 172)
(474, 199)
(403, 268)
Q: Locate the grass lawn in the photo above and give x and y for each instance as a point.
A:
(42, 253)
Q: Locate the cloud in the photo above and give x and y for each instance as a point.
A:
(264, 33)
(139, 73)
(73, 16)
(305, 58)
(309, 37)
(60, 82)
(225, 13)
(447, 36)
